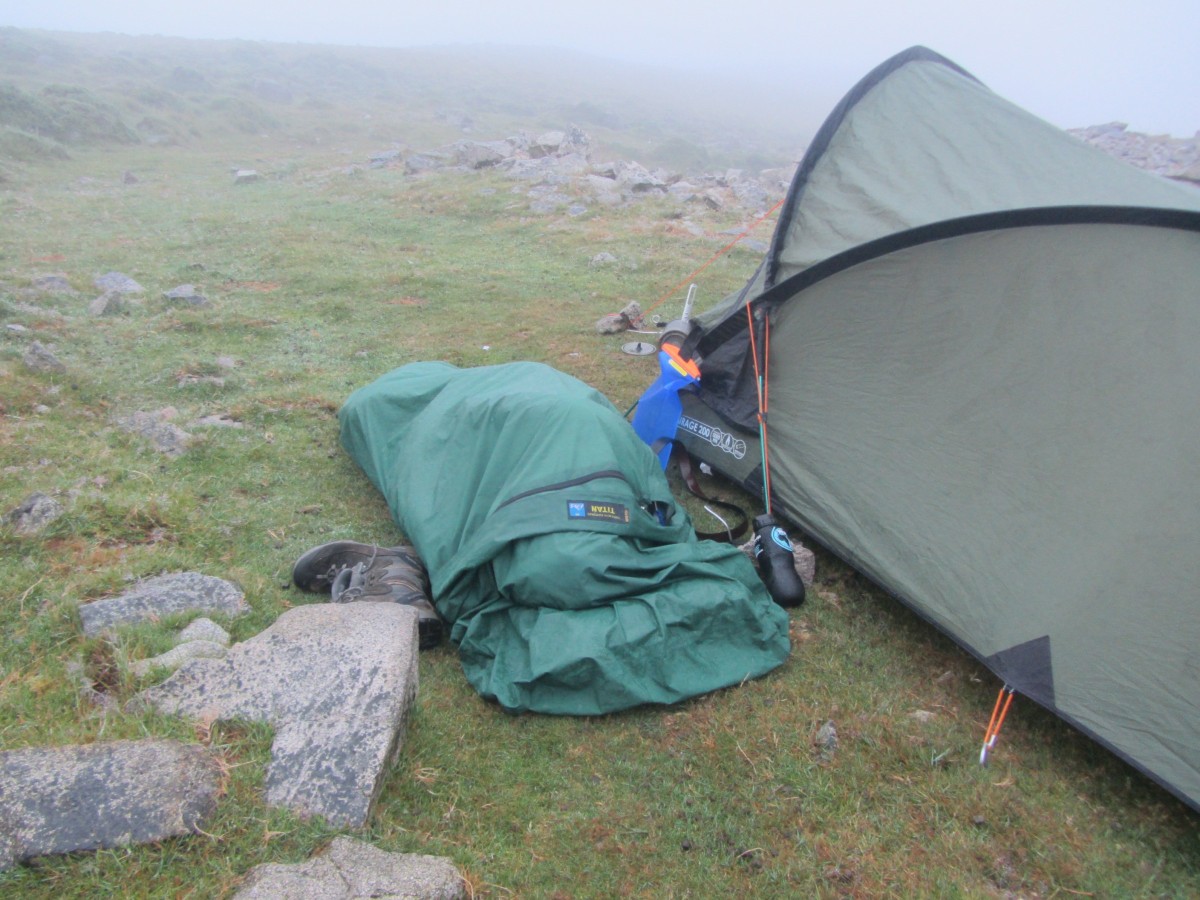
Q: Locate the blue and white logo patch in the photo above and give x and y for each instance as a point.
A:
(617, 513)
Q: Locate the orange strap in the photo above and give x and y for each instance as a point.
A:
(999, 711)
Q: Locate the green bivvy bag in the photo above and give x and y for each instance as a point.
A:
(572, 582)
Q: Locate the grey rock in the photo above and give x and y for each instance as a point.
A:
(576, 209)
(349, 869)
(529, 169)
(119, 282)
(547, 144)
(54, 283)
(334, 680)
(751, 193)
(481, 154)
(384, 159)
(177, 656)
(604, 258)
(15, 328)
(682, 190)
(155, 427)
(35, 513)
(634, 177)
(606, 190)
(245, 176)
(164, 595)
(59, 800)
(107, 304)
(186, 294)
(204, 629)
(40, 358)
(826, 742)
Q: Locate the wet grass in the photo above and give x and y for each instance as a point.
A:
(320, 281)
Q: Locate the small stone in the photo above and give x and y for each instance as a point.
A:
(826, 742)
(245, 176)
(119, 282)
(40, 358)
(161, 596)
(56, 283)
(107, 304)
(186, 294)
(34, 514)
(613, 323)
(350, 869)
(157, 429)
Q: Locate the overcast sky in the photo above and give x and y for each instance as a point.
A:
(1074, 62)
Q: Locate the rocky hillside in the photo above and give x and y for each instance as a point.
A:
(1161, 154)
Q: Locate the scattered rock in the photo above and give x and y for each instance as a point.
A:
(35, 513)
(1170, 157)
(826, 742)
(63, 799)
(107, 304)
(55, 283)
(923, 716)
(384, 159)
(187, 295)
(349, 869)
(602, 259)
(158, 430)
(40, 358)
(119, 282)
(164, 595)
(614, 323)
(335, 681)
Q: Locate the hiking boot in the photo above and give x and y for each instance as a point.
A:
(353, 571)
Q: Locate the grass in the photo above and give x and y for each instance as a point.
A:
(322, 280)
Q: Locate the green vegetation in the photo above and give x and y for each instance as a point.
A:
(322, 279)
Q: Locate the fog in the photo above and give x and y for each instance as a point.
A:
(1074, 62)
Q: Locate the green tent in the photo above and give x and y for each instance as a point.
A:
(572, 582)
(983, 386)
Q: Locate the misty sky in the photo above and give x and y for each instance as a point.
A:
(1073, 62)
